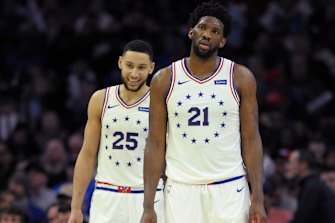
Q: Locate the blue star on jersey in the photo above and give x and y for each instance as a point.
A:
(199, 116)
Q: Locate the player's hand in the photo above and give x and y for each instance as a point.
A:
(257, 213)
(149, 216)
(76, 216)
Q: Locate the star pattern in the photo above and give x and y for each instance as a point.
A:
(196, 117)
(118, 142)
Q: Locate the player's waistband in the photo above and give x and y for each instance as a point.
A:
(226, 181)
(119, 189)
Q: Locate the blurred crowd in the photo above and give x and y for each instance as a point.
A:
(55, 53)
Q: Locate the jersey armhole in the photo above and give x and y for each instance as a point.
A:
(232, 84)
(172, 82)
(104, 104)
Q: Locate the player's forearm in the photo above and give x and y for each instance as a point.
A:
(83, 174)
(153, 165)
(253, 159)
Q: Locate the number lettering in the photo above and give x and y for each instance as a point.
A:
(196, 113)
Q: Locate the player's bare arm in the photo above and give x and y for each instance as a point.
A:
(251, 143)
(155, 146)
(86, 160)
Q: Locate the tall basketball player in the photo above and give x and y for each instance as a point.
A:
(207, 105)
(114, 140)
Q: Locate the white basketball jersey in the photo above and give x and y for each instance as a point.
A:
(204, 142)
(124, 131)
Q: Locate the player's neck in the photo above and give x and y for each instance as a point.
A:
(200, 67)
(130, 97)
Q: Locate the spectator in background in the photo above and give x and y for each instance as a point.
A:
(52, 213)
(22, 142)
(64, 194)
(6, 165)
(40, 194)
(273, 191)
(9, 117)
(55, 161)
(50, 128)
(319, 148)
(316, 201)
(6, 199)
(64, 212)
(19, 186)
(13, 214)
(74, 143)
(327, 175)
(330, 158)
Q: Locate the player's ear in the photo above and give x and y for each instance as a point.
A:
(152, 67)
(120, 62)
(223, 42)
(190, 33)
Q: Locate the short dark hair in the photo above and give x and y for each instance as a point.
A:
(15, 210)
(308, 157)
(140, 46)
(214, 9)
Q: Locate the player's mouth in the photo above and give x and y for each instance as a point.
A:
(133, 82)
(203, 44)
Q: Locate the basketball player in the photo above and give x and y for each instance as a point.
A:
(207, 105)
(115, 136)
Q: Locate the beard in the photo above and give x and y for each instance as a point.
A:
(127, 87)
(204, 54)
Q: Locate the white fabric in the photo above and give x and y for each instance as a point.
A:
(204, 142)
(221, 203)
(112, 207)
(124, 132)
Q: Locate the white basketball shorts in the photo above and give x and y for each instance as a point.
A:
(227, 201)
(115, 204)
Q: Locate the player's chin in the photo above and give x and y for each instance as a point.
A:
(133, 87)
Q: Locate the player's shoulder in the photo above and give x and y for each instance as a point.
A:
(243, 77)
(98, 97)
(100, 93)
(162, 76)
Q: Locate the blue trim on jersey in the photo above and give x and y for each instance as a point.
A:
(117, 191)
(218, 67)
(171, 82)
(103, 104)
(226, 181)
(133, 104)
(233, 83)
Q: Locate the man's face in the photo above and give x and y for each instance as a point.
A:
(135, 68)
(329, 179)
(10, 218)
(207, 36)
(293, 165)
